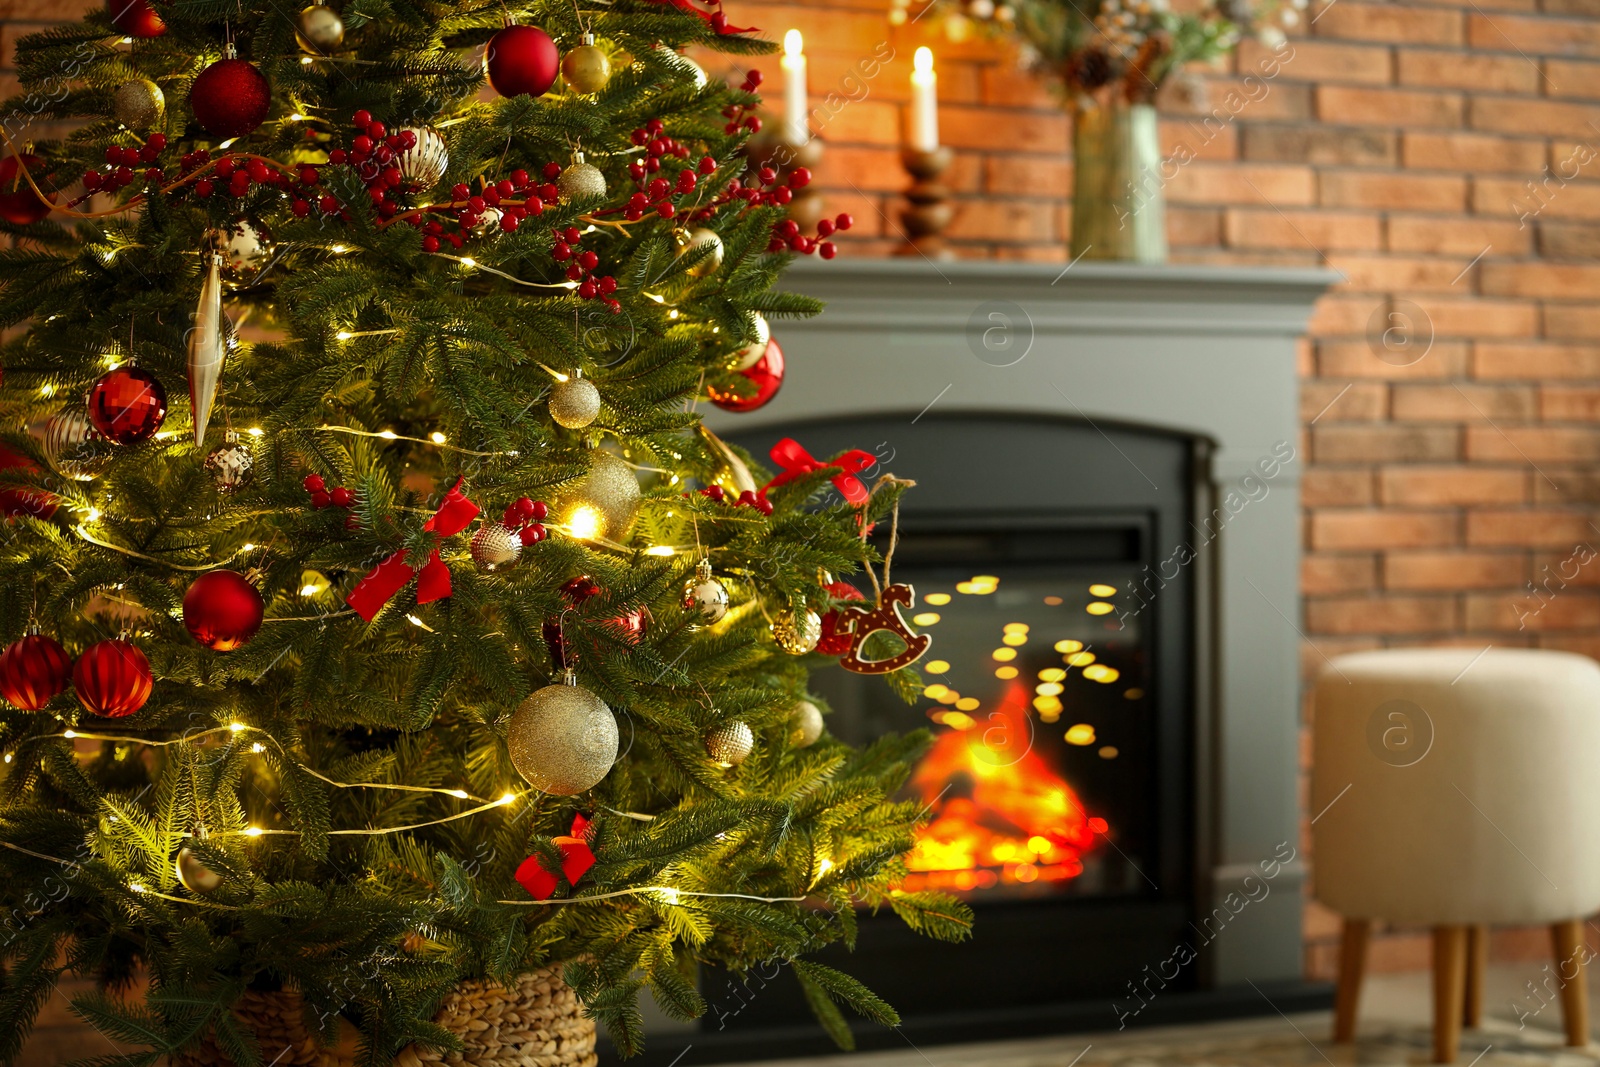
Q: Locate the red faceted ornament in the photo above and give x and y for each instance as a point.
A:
(112, 679)
(631, 627)
(127, 405)
(135, 18)
(833, 641)
(23, 501)
(222, 610)
(33, 671)
(521, 61)
(230, 98)
(766, 374)
(19, 204)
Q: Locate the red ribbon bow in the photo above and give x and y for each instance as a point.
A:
(576, 859)
(369, 596)
(723, 30)
(797, 463)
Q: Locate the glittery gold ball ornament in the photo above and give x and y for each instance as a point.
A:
(495, 546)
(195, 875)
(563, 738)
(606, 501)
(797, 632)
(74, 447)
(586, 67)
(245, 250)
(805, 724)
(751, 353)
(696, 238)
(232, 466)
(319, 29)
(424, 163)
(704, 595)
(730, 743)
(581, 180)
(138, 104)
(574, 403)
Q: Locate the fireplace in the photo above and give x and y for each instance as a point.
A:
(1103, 542)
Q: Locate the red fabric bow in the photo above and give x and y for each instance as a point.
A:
(723, 30)
(576, 859)
(369, 596)
(797, 462)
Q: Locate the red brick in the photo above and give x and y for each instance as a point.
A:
(1006, 86)
(1322, 486)
(1458, 236)
(1538, 199)
(1188, 139)
(1344, 402)
(985, 128)
(1338, 314)
(1453, 570)
(1572, 321)
(1549, 281)
(1323, 61)
(1534, 444)
(1534, 35)
(1436, 486)
(1371, 189)
(1477, 153)
(1526, 527)
(1556, 485)
(1389, 24)
(1463, 403)
(1281, 186)
(1005, 220)
(1362, 106)
(1390, 528)
(1395, 274)
(1318, 145)
(1193, 226)
(1462, 70)
(1476, 317)
(1361, 359)
(1522, 116)
(1570, 402)
(1535, 361)
(1384, 444)
(1017, 175)
(1234, 99)
(1381, 615)
(1337, 574)
(1322, 230)
(1570, 609)
(1572, 79)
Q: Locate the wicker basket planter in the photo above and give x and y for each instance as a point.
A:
(538, 1022)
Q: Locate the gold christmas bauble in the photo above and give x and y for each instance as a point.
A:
(424, 163)
(586, 67)
(495, 546)
(805, 724)
(751, 353)
(195, 876)
(574, 403)
(581, 180)
(607, 500)
(730, 743)
(797, 632)
(319, 29)
(246, 249)
(704, 595)
(696, 238)
(74, 447)
(563, 739)
(138, 104)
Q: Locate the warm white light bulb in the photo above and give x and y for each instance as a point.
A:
(586, 522)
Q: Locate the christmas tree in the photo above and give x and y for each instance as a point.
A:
(430, 639)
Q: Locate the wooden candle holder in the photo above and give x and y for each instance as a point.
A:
(928, 210)
(806, 209)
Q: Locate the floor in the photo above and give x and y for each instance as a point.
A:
(1395, 1009)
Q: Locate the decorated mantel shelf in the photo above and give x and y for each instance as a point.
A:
(1200, 352)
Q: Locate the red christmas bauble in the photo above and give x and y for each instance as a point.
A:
(19, 204)
(222, 610)
(766, 374)
(127, 405)
(833, 642)
(136, 18)
(230, 98)
(112, 679)
(33, 671)
(631, 627)
(23, 501)
(522, 61)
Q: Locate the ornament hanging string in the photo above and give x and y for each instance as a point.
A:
(894, 533)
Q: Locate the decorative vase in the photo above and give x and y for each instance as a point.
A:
(1119, 208)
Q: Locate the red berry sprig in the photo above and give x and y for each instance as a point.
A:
(740, 114)
(747, 499)
(526, 517)
(786, 234)
(123, 167)
(322, 496)
(581, 264)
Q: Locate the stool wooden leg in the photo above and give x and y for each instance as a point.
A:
(1352, 965)
(1567, 939)
(1449, 990)
(1477, 963)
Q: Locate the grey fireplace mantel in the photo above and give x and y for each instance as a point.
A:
(1201, 351)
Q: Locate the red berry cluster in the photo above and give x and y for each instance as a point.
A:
(372, 154)
(526, 517)
(740, 115)
(581, 264)
(657, 146)
(322, 496)
(122, 167)
(747, 499)
(470, 209)
(236, 177)
(786, 234)
(658, 195)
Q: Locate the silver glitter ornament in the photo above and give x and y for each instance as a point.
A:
(730, 743)
(797, 632)
(704, 595)
(74, 447)
(232, 466)
(138, 104)
(805, 724)
(495, 546)
(424, 163)
(581, 181)
(562, 738)
(194, 875)
(574, 403)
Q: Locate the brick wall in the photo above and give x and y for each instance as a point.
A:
(1397, 145)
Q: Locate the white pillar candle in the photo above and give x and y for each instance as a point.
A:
(924, 102)
(796, 123)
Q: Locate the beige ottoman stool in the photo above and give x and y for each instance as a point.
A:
(1456, 788)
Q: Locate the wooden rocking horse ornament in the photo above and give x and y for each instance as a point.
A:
(863, 623)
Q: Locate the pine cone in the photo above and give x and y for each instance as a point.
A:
(1088, 69)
